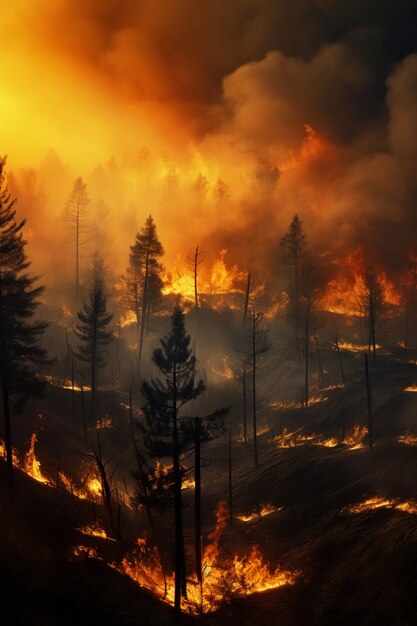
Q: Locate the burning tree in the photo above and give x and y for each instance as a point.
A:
(76, 213)
(143, 280)
(92, 330)
(293, 244)
(19, 335)
(167, 432)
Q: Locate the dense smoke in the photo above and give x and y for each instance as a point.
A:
(196, 112)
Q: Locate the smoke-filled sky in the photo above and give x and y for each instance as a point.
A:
(222, 119)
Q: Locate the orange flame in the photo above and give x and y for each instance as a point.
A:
(382, 503)
(263, 511)
(241, 576)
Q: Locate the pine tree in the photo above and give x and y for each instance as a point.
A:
(168, 432)
(93, 328)
(293, 244)
(143, 281)
(19, 334)
(76, 213)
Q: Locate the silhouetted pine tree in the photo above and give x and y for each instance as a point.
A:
(93, 328)
(143, 280)
(167, 432)
(76, 213)
(19, 334)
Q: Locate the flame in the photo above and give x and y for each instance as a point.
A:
(95, 530)
(294, 404)
(85, 551)
(15, 454)
(65, 383)
(313, 147)
(127, 319)
(354, 439)
(261, 429)
(330, 442)
(31, 465)
(289, 439)
(220, 280)
(344, 293)
(104, 422)
(408, 438)
(382, 503)
(412, 388)
(91, 490)
(241, 576)
(263, 511)
(221, 375)
(160, 473)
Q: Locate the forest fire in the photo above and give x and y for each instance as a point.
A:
(222, 579)
(91, 488)
(258, 513)
(288, 439)
(95, 530)
(346, 293)
(219, 280)
(379, 502)
(411, 388)
(408, 439)
(354, 439)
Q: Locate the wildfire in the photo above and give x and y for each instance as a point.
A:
(91, 489)
(344, 294)
(240, 576)
(65, 383)
(259, 513)
(162, 472)
(221, 375)
(355, 438)
(288, 439)
(330, 442)
(281, 405)
(95, 530)
(382, 503)
(408, 438)
(104, 422)
(412, 388)
(220, 280)
(31, 465)
(261, 429)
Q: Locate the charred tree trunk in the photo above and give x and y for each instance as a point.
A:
(307, 330)
(5, 394)
(197, 499)
(196, 279)
(369, 401)
(245, 433)
(77, 239)
(180, 582)
(230, 476)
(321, 372)
(245, 312)
(339, 354)
(255, 442)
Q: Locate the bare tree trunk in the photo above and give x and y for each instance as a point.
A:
(197, 499)
(245, 312)
(255, 442)
(179, 535)
(196, 279)
(77, 271)
(245, 433)
(230, 476)
(307, 342)
(5, 395)
(319, 359)
(369, 399)
(339, 354)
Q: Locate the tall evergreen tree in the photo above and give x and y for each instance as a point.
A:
(143, 281)
(76, 213)
(93, 328)
(19, 333)
(293, 244)
(167, 431)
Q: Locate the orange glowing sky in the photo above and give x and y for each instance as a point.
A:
(281, 107)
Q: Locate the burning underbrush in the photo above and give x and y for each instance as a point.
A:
(223, 579)
(408, 439)
(379, 502)
(353, 440)
(261, 511)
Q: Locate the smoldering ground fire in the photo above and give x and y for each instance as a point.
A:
(208, 308)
